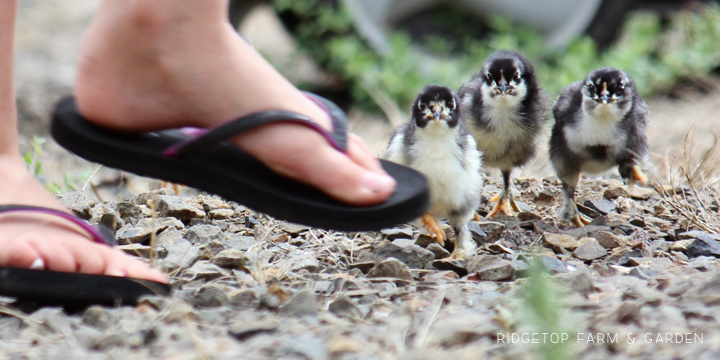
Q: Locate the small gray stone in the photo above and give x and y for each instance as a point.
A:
(581, 282)
(237, 242)
(609, 240)
(615, 193)
(680, 245)
(693, 234)
(247, 298)
(293, 229)
(143, 198)
(659, 245)
(344, 306)
(111, 219)
(424, 240)
(129, 211)
(229, 259)
(703, 246)
(490, 268)
(180, 254)
(205, 270)
(221, 213)
(76, 202)
(210, 296)
(456, 265)
(638, 192)
(244, 331)
(204, 234)
(478, 234)
(584, 231)
(559, 241)
(398, 233)
(438, 251)
(553, 266)
(603, 207)
(589, 249)
(304, 302)
(412, 255)
(99, 317)
(494, 230)
(176, 207)
(391, 268)
(621, 256)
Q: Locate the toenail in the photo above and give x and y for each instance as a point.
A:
(38, 264)
(377, 182)
(118, 273)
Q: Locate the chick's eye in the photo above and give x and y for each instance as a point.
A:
(517, 76)
(488, 76)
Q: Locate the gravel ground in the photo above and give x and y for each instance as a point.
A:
(253, 287)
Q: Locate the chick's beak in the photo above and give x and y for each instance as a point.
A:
(604, 94)
(503, 87)
(437, 112)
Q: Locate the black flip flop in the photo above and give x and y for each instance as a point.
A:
(203, 159)
(72, 290)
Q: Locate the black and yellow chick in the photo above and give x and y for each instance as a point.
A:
(437, 143)
(599, 123)
(505, 111)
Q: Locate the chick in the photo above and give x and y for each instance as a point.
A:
(437, 143)
(599, 123)
(505, 112)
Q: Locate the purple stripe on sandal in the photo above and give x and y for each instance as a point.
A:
(94, 235)
(173, 150)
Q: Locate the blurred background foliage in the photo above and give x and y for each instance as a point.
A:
(657, 51)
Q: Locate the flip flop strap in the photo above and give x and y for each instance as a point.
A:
(95, 235)
(225, 131)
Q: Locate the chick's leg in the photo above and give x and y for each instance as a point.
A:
(505, 202)
(636, 175)
(465, 246)
(432, 226)
(569, 210)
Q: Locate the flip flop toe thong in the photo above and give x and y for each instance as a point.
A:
(72, 290)
(204, 159)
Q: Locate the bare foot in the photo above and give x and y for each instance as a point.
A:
(46, 242)
(166, 64)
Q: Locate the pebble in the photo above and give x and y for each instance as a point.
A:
(210, 296)
(438, 251)
(129, 211)
(391, 268)
(680, 245)
(559, 241)
(293, 229)
(415, 257)
(493, 229)
(229, 259)
(490, 268)
(478, 234)
(455, 265)
(304, 302)
(404, 232)
(609, 240)
(176, 207)
(639, 192)
(221, 213)
(601, 206)
(204, 234)
(76, 202)
(703, 246)
(424, 240)
(344, 306)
